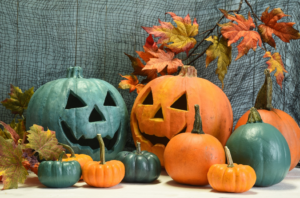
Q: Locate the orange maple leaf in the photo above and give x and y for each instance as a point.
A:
(130, 83)
(181, 37)
(283, 30)
(150, 45)
(163, 60)
(233, 32)
(276, 63)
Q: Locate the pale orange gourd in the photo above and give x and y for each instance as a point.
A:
(231, 177)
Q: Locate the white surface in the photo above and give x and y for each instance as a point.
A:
(163, 187)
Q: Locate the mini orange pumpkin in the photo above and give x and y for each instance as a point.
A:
(188, 156)
(103, 174)
(231, 177)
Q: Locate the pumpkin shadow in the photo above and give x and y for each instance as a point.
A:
(249, 192)
(176, 184)
(32, 182)
(118, 186)
(142, 184)
(164, 172)
(278, 187)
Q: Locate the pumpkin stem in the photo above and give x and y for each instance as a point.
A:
(229, 158)
(188, 71)
(61, 156)
(138, 148)
(102, 149)
(254, 116)
(74, 72)
(198, 121)
(264, 96)
(69, 149)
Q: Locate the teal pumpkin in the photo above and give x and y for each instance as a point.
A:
(58, 174)
(140, 166)
(77, 109)
(263, 147)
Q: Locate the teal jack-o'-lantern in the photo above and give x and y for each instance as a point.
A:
(78, 109)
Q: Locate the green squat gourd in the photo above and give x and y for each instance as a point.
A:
(77, 109)
(140, 166)
(263, 147)
(59, 174)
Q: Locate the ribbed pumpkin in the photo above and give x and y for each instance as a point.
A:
(263, 147)
(287, 126)
(164, 108)
(77, 109)
(188, 156)
(231, 177)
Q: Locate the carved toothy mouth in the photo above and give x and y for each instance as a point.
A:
(92, 143)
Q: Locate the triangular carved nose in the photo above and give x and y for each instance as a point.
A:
(96, 115)
(159, 114)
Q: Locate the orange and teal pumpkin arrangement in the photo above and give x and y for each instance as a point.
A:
(77, 109)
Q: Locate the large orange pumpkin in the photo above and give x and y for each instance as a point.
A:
(164, 108)
(279, 119)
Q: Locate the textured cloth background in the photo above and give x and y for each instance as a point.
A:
(40, 39)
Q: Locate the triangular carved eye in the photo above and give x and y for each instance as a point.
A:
(159, 114)
(96, 115)
(109, 100)
(181, 103)
(149, 99)
(74, 101)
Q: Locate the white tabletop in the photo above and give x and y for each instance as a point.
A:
(163, 187)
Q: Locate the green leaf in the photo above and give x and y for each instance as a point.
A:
(11, 164)
(43, 142)
(18, 100)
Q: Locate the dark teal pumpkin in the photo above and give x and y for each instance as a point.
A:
(77, 109)
(58, 174)
(140, 166)
(263, 147)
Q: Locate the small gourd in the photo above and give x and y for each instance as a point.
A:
(59, 174)
(140, 166)
(103, 174)
(231, 177)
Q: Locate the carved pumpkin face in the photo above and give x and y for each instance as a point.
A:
(78, 109)
(164, 108)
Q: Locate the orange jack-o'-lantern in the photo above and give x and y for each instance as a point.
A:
(164, 108)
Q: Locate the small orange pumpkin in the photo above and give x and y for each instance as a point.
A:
(231, 177)
(188, 156)
(103, 174)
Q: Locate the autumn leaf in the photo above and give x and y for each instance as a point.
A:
(283, 30)
(139, 87)
(5, 134)
(164, 59)
(180, 37)
(233, 32)
(12, 132)
(276, 63)
(43, 142)
(19, 127)
(18, 100)
(151, 46)
(11, 164)
(219, 49)
(130, 83)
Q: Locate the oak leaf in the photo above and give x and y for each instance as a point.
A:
(43, 142)
(18, 100)
(233, 32)
(164, 59)
(180, 37)
(131, 82)
(11, 167)
(283, 30)
(275, 62)
(219, 49)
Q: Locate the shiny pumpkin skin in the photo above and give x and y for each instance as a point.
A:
(263, 147)
(141, 168)
(216, 111)
(287, 127)
(238, 179)
(57, 174)
(189, 156)
(103, 175)
(81, 158)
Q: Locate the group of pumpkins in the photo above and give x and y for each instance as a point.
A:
(162, 121)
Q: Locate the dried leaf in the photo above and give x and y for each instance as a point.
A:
(11, 164)
(43, 142)
(233, 32)
(19, 127)
(219, 49)
(151, 46)
(12, 132)
(283, 30)
(181, 37)
(164, 59)
(130, 83)
(18, 100)
(5, 134)
(276, 63)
